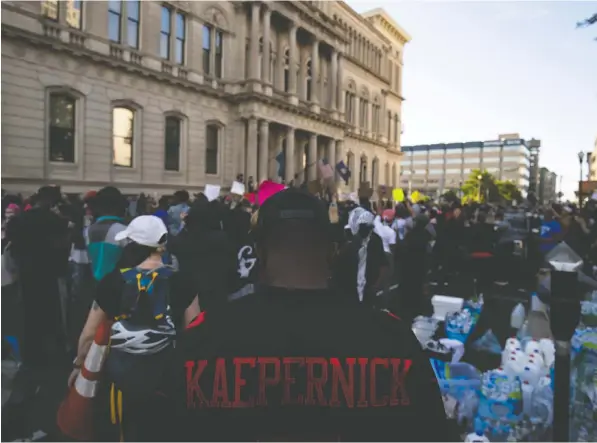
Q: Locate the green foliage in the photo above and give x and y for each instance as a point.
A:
(509, 191)
(480, 187)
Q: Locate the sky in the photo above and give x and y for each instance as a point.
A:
(476, 69)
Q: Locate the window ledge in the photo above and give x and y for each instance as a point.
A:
(63, 165)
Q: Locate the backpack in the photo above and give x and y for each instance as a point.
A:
(143, 334)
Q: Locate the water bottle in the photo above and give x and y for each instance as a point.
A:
(476, 437)
(518, 316)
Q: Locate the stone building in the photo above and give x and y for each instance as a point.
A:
(157, 96)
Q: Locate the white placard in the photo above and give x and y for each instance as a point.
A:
(594, 196)
(212, 192)
(237, 188)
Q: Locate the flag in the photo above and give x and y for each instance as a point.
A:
(281, 159)
(343, 171)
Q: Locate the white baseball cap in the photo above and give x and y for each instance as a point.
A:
(146, 230)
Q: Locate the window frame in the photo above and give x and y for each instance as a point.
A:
(182, 40)
(118, 13)
(181, 125)
(73, 5)
(136, 21)
(219, 54)
(134, 135)
(50, 5)
(206, 51)
(220, 132)
(77, 127)
(167, 34)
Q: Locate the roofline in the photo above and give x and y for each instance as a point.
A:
(364, 20)
(380, 11)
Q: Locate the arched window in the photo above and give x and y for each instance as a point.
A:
(212, 148)
(309, 81)
(123, 136)
(363, 170)
(172, 143)
(396, 128)
(394, 175)
(389, 126)
(62, 127)
(375, 173)
(387, 179)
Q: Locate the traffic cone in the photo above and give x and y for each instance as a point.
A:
(75, 415)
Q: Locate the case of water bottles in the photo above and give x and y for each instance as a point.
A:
(460, 324)
(583, 384)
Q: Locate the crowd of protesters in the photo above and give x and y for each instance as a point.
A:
(299, 276)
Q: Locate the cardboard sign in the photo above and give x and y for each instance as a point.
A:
(326, 170)
(212, 192)
(383, 193)
(267, 189)
(237, 188)
(398, 195)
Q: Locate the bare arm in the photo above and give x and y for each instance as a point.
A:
(192, 311)
(95, 317)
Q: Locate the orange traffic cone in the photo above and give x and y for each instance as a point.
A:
(75, 415)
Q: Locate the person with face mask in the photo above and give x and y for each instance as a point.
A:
(297, 361)
(140, 300)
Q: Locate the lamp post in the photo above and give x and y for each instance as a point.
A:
(581, 156)
(479, 177)
(564, 315)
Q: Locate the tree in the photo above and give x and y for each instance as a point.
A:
(588, 22)
(509, 191)
(480, 187)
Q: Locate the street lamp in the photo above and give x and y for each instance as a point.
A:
(581, 156)
(479, 177)
(564, 315)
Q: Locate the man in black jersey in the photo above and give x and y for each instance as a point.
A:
(295, 361)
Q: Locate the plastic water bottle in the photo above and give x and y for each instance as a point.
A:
(476, 437)
(518, 316)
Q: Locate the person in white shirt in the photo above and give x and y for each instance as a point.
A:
(388, 237)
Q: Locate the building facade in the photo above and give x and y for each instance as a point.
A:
(437, 168)
(548, 183)
(592, 161)
(157, 96)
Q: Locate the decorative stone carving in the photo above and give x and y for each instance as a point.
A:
(216, 16)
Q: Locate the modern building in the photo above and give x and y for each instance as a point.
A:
(548, 183)
(534, 147)
(154, 96)
(446, 166)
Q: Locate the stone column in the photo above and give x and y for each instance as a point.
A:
(312, 158)
(265, 57)
(315, 72)
(357, 113)
(340, 96)
(333, 79)
(368, 117)
(383, 118)
(292, 63)
(290, 155)
(254, 42)
(263, 150)
(331, 153)
(242, 142)
(252, 150)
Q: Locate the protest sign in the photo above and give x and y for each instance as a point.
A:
(237, 188)
(212, 192)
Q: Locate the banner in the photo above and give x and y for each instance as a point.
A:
(237, 188)
(267, 189)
